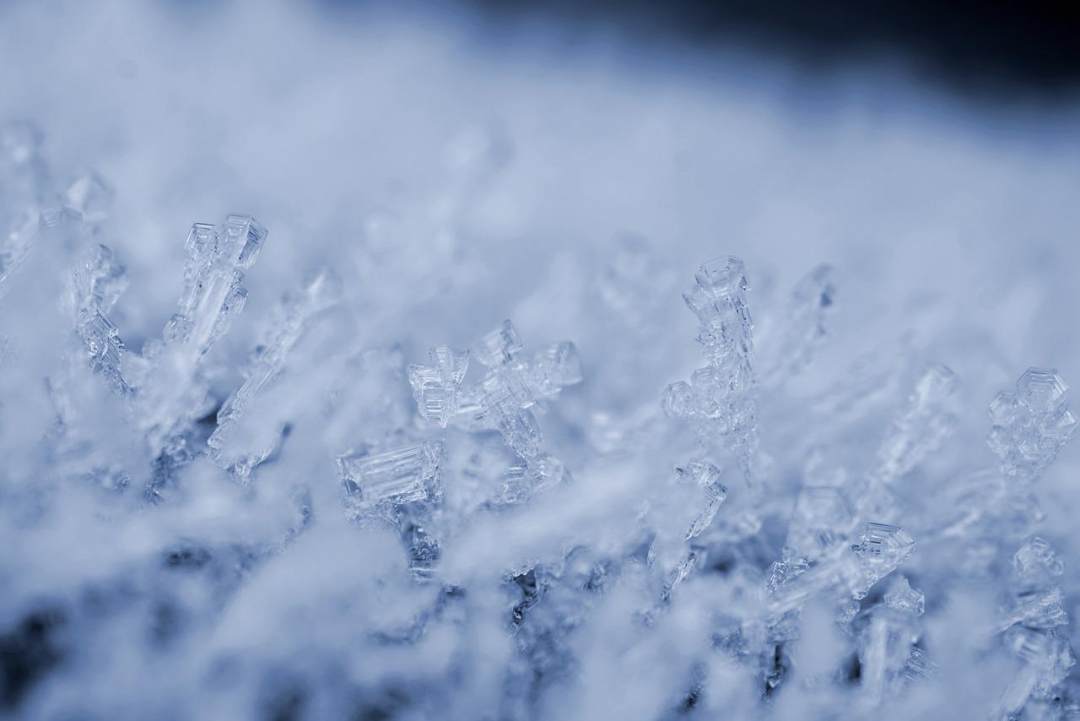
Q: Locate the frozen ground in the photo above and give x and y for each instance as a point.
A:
(321, 547)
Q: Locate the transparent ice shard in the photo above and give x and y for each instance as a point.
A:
(1046, 659)
(214, 291)
(804, 325)
(1037, 600)
(291, 320)
(707, 477)
(901, 597)
(923, 427)
(96, 284)
(847, 574)
(377, 484)
(522, 482)
(883, 546)
(498, 347)
(718, 298)
(1037, 609)
(1031, 425)
(1036, 565)
(171, 393)
(91, 196)
(822, 519)
(718, 401)
(503, 399)
(436, 387)
(887, 643)
(555, 368)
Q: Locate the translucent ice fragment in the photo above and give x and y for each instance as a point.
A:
(171, 392)
(436, 387)
(719, 399)
(901, 597)
(291, 320)
(96, 284)
(884, 545)
(498, 347)
(804, 327)
(519, 428)
(214, 290)
(678, 400)
(923, 426)
(377, 483)
(1038, 609)
(521, 482)
(1031, 425)
(1036, 565)
(707, 477)
(881, 549)
(719, 301)
(91, 196)
(822, 519)
(1040, 389)
(1046, 659)
(791, 582)
(555, 368)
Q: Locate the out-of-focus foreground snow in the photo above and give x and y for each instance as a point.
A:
(444, 174)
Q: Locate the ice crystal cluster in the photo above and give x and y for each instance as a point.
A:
(442, 425)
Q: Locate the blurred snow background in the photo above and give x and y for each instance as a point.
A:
(453, 176)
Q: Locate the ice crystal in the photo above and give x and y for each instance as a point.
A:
(719, 400)
(1031, 424)
(171, 392)
(97, 282)
(378, 483)
(241, 446)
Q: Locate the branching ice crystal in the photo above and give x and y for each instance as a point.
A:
(850, 571)
(502, 400)
(241, 449)
(719, 400)
(1034, 625)
(213, 281)
(170, 392)
(1031, 424)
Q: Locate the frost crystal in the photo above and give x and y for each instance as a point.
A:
(97, 282)
(718, 400)
(706, 476)
(241, 449)
(902, 597)
(400, 487)
(379, 483)
(805, 325)
(1031, 424)
(213, 279)
(170, 391)
(339, 534)
(436, 387)
(502, 400)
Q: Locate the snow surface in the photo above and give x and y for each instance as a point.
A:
(450, 174)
